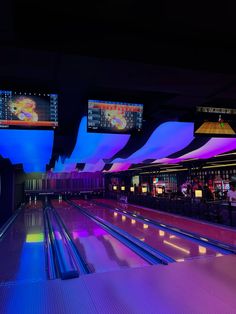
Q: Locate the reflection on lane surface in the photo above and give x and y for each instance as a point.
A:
(97, 247)
(218, 233)
(174, 246)
(22, 255)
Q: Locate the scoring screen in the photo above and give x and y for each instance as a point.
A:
(114, 117)
(28, 110)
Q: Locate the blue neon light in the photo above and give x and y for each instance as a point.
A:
(167, 139)
(32, 148)
(92, 148)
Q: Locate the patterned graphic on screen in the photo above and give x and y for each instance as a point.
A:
(23, 108)
(114, 117)
(28, 110)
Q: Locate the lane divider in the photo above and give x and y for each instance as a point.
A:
(144, 250)
(221, 247)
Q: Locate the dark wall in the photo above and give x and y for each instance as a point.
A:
(12, 189)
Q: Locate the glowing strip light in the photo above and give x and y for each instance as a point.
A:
(222, 155)
(176, 247)
(32, 148)
(219, 161)
(217, 166)
(174, 170)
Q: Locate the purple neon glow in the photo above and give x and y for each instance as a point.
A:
(167, 139)
(92, 148)
(213, 147)
(99, 232)
(98, 166)
(80, 234)
(118, 166)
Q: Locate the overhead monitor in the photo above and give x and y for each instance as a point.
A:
(20, 110)
(215, 121)
(114, 117)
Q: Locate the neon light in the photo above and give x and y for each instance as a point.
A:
(156, 146)
(34, 238)
(176, 247)
(212, 148)
(32, 148)
(99, 232)
(92, 148)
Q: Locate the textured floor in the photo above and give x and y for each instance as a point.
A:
(199, 286)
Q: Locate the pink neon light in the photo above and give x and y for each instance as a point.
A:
(213, 147)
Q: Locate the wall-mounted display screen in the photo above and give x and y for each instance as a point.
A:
(28, 110)
(215, 122)
(114, 117)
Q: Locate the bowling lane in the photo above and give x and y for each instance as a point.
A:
(22, 254)
(101, 251)
(174, 246)
(218, 233)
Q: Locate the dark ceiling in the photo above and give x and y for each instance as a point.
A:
(198, 35)
(168, 37)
